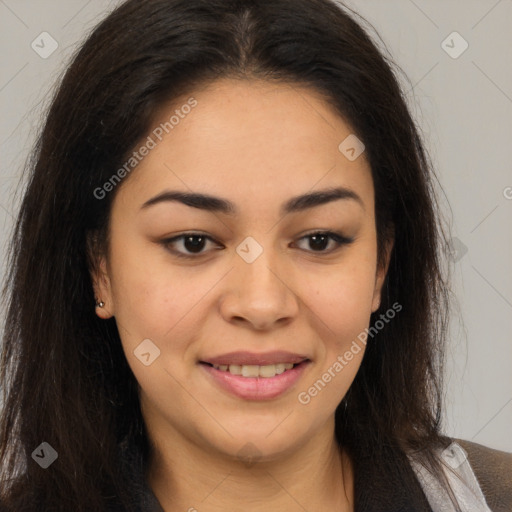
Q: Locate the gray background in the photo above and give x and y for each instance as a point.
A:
(464, 107)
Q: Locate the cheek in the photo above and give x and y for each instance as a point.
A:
(342, 309)
(149, 297)
(342, 300)
(156, 305)
(158, 301)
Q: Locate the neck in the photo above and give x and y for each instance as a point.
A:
(185, 477)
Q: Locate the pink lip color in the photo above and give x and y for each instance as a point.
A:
(256, 388)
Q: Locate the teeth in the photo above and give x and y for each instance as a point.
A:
(280, 368)
(253, 370)
(233, 368)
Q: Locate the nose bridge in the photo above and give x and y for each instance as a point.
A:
(259, 291)
(258, 266)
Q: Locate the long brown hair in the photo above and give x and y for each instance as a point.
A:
(64, 376)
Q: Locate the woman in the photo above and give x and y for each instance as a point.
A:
(226, 282)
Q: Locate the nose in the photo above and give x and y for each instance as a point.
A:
(259, 294)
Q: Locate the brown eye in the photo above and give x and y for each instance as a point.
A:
(190, 244)
(319, 241)
(194, 243)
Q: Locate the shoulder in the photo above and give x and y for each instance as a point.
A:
(493, 470)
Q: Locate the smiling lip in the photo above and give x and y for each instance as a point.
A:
(255, 388)
(253, 358)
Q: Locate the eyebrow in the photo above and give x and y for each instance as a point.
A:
(217, 204)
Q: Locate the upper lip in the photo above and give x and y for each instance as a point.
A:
(247, 358)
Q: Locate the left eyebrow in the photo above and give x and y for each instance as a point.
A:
(217, 204)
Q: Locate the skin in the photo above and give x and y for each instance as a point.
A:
(256, 144)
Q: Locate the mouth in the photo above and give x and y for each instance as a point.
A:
(253, 370)
(255, 382)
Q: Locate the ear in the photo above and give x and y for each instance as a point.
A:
(98, 269)
(381, 273)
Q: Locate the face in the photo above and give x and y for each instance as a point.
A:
(255, 279)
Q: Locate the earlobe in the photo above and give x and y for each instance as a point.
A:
(97, 262)
(102, 291)
(376, 302)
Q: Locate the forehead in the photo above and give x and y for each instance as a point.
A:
(248, 140)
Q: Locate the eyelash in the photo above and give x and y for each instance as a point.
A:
(337, 237)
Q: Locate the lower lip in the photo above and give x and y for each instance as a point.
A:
(256, 388)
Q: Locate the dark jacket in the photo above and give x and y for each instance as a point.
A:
(493, 470)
